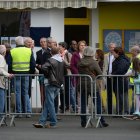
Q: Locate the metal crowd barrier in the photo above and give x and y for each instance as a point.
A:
(68, 103)
(16, 104)
(71, 96)
(4, 113)
(117, 99)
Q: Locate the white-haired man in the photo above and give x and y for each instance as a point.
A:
(135, 52)
(22, 62)
(107, 70)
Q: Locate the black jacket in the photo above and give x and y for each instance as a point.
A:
(54, 70)
(42, 58)
(119, 67)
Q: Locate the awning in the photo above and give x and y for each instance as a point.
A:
(35, 4)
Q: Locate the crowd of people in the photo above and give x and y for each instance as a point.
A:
(55, 61)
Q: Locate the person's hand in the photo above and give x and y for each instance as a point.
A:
(38, 66)
(10, 76)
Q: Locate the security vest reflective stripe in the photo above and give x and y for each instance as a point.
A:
(131, 79)
(21, 59)
(131, 68)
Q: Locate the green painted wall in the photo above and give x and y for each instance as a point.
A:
(118, 16)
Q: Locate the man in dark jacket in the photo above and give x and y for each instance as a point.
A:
(54, 71)
(120, 84)
(41, 57)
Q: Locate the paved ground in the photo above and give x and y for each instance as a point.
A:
(69, 129)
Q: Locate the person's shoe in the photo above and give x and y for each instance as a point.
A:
(3, 124)
(104, 124)
(59, 119)
(38, 125)
(40, 110)
(138, 118)
(51, 126)
(83, 124)
(61, 111)
(136, 113)
(67, 109)
(28, 116)
(18, 116)
(117, 116)
(74, 111)
(128, 117)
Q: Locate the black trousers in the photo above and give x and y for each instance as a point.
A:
(109, 94)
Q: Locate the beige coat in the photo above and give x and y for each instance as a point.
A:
(67, 60)
(3, 71)
(106, 63)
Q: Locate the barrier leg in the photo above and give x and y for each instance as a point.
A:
(99, 122)
(3, 121)
(89, 121)
(12, 121)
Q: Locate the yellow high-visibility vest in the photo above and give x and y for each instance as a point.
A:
(131, 68)
(21, 59)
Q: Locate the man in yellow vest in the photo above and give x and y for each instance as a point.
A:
(135, 52)
(22, 62)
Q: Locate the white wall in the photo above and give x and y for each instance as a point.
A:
(94, 28)
(53, 18)
(57, 24)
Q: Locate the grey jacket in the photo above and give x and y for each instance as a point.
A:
(89, 66)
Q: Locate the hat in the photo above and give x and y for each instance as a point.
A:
(2, 49)
(63, 44)
(88, 51)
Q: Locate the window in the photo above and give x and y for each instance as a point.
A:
(75, 13)
(14, 23)
(77, 22)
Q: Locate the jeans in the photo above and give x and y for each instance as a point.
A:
(70, 91)
(22, 96)
(50, 94)
(73, 96)
(84, 102)
(2, 101)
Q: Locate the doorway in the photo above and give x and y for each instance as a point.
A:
(77, 22)
(77, 32)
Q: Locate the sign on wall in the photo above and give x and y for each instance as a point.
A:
(111, 36)
(123, 38)
(131, 38)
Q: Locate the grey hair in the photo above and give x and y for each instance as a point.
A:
(112, 43)
(26, 39)
(50, 39)
(19, 40)
(135, 48)
(43, 38)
